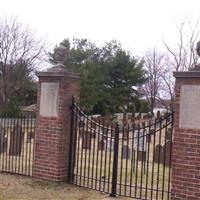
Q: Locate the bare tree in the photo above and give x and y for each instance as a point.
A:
(167, 85)
(180, 58)
(19, 51)
(153, 62)
(184, 56)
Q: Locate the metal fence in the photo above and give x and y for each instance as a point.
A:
(17, 143)
(132, 160)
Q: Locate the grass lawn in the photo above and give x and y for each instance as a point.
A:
(13, 187)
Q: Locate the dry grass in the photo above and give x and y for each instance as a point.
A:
(13, 187)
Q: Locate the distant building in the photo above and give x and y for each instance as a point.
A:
(29, 109)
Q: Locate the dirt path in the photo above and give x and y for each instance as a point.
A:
(13, 187)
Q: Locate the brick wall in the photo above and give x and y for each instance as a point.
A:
(52, 134)
(186, 152)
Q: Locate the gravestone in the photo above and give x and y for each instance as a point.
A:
(169, 132)
(3, 140)
(30, 136)
(148, 137)
(125, 132)
(110, 144)
(152, 133)
(140, 140)
(125, 152)
(158, 153)
(93, 134)
(104, 136)
(86, 140)
(16, 140)
(81, 124)
(158, 114)
(101, 145)
(141, 155)
(81, 132)
(167, 151)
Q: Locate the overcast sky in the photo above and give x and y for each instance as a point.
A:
(137, 24)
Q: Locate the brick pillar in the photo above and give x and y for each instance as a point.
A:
(186, 142)
(55, 91)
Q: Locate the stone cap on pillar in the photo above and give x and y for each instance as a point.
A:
(58, 70)
(187, 74)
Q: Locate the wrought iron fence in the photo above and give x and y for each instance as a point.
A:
(126, 159)
(17, 143)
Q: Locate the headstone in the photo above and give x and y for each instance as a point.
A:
(101, 145)
(158, 114)
(141, 155)
(125, 152)
(169, 132)
(93, 123)
(30, 136)
(167, 151)
(125, 132)
(148, 136)
(140, 140)
(158, 154)
(16, 140)
(105, 133)
(93, 134)
(110, 144)
(81, 124)
(133, 117)
(86, 140)
(3, 140)
(81, 132)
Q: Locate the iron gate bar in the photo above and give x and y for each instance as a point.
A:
(120, 188)
(131, 177)
(115, 161)
(172, 123)
(97, 158)
(93, 157)
(152, 175)
(105, 160)
(127, 159)
(147, 177)
(141, 175)
(109, 174)
(136, 177)
(70, 173)
(77, 136)
(164, 159)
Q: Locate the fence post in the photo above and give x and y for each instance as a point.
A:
(115, 162)
(186, 137)
(52, 137)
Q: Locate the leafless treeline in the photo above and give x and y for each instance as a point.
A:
(161, 65)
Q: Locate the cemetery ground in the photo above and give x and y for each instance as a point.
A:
(15, 187)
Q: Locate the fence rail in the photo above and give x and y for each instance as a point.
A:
(17, 143)
(132, 160)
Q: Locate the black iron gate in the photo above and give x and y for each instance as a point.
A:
(17, 143)
(130, 159)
